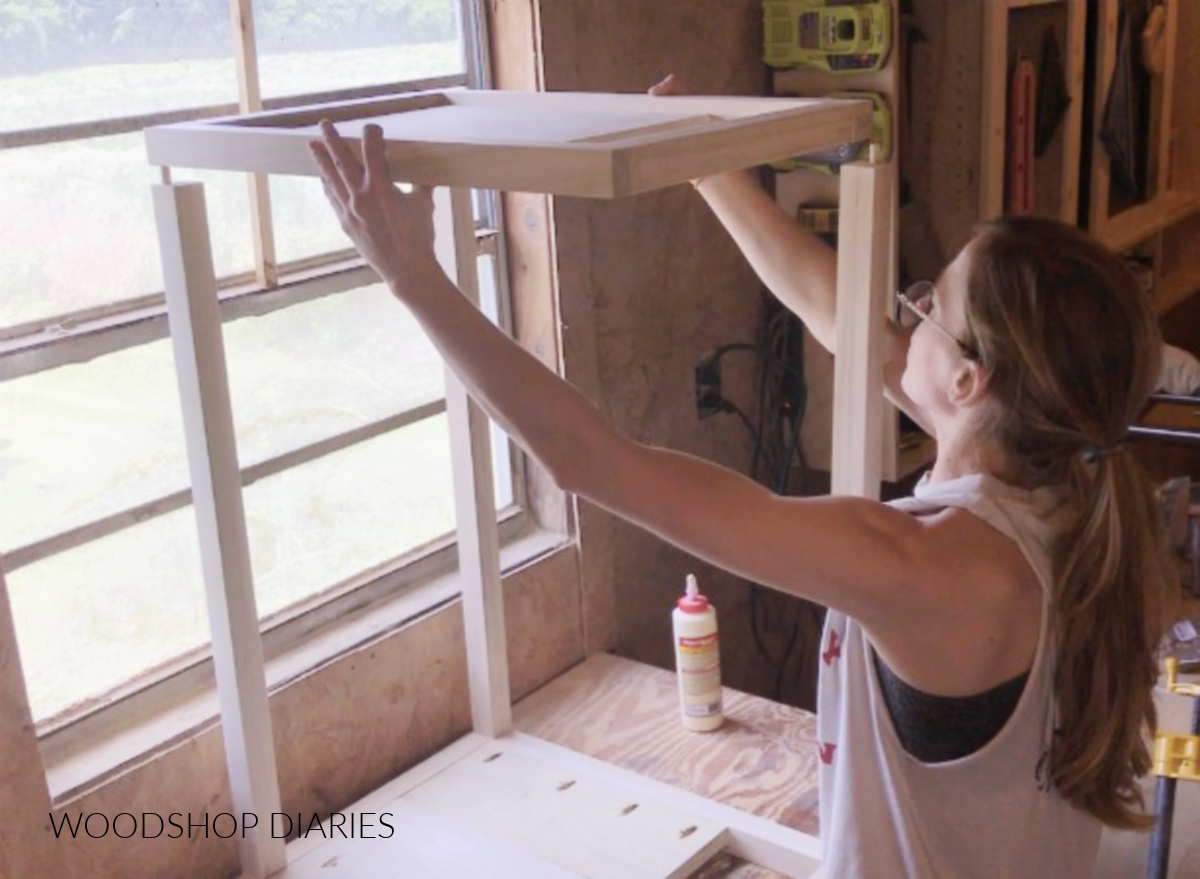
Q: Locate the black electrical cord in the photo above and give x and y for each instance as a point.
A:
(726, 406)
(793, 409)
(783, 402)
(778, 408)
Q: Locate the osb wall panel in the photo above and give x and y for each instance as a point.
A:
(24, 799)
(188, 779)
(340, 732)
(647, 285)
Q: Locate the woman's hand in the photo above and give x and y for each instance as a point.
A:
(393, 230)
(671, 85)
(674, 86)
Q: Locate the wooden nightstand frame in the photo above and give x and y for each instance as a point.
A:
(590, 146)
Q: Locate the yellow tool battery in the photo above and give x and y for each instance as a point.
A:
(837, 36)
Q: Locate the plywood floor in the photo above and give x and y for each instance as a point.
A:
(764, 759)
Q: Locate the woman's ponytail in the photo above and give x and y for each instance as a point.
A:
(1070, 347)
(1107, 618)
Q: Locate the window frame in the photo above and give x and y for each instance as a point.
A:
(83, 335)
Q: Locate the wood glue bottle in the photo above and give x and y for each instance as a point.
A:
(697, 660)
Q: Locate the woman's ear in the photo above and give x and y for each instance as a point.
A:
(969, 386)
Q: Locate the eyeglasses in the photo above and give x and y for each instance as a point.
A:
(917, 299)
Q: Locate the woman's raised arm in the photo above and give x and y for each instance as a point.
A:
(797, 266)
(841, 552)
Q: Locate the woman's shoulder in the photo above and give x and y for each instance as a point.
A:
(974, 620)
(1029, 518)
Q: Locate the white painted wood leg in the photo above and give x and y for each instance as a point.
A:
(195, 320)
(863, 275)
(474, 495)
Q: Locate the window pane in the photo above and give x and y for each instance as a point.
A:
(79, 229)
(305, 224)
(323, 367)
(316, 47)
(119, 608)
(338, 516)
(84, 441)
(74, 62)
(92, 618)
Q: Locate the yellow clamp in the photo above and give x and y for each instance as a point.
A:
(1171, 665)
(1177, 756)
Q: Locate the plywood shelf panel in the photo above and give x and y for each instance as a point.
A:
(549, 813)
(562, 143)
(599, 738)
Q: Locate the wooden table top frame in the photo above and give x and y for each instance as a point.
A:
(609, 145)
(561, 143)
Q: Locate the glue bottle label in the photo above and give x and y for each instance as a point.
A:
(700, 675)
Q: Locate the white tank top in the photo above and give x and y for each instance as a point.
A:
(991, 814)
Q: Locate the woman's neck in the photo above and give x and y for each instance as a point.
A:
(963, 452)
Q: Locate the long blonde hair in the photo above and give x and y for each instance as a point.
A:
(1070, 347)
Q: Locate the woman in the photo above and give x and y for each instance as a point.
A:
(988, 658)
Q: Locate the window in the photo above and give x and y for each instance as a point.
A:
(338, 397)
